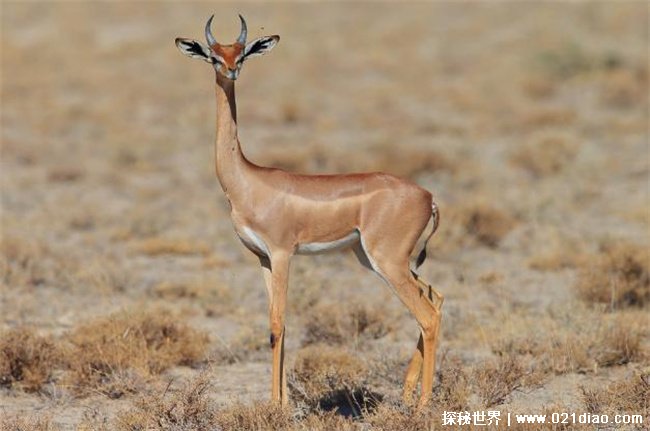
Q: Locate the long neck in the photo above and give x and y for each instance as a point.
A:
(229, 160)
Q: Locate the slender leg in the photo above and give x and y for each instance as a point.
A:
(427, 313)
(265, 262)
(279, 283)
(413, 372)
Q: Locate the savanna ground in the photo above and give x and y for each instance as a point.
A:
(128, 303)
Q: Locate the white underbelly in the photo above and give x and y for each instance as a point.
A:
(323, 247)
(255, 242)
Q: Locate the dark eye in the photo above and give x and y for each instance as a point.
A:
(214, 60)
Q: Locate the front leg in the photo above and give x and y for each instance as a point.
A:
(277, 276)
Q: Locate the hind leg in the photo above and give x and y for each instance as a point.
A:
(415, 365)
(416, 296)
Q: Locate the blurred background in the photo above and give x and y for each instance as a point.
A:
(528, 122)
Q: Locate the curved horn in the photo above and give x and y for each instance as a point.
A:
(208, 33)
(244, 31)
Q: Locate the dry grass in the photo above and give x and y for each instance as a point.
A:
(454, 390)
(258, 416)
(188, 409)
(329, 378)
(623, 88)
(546, 154)
(388, 417)
(211, 294)
(250, 343)
(558, 254)
(27, 423)
(114, 355)
(406, 162)
(23, 262)
(161, 246)
(476, 223)
(486, 224)
(349, 323)
(584, 343)
(27, 360)
(496, 380)
(618, 277)
(626, 396)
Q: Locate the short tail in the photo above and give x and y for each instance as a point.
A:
(435, 216)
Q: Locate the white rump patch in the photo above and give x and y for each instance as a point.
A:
(322, 247)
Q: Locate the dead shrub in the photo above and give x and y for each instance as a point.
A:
(496, 380)
(453, 390)
(405, 162)
(409, 162)
(27, 423)
(187, 409)
(160, 246)
(329, 378)
(537, 87)
(24, 262)
(64, 174)
(349, 323)
(115, 354)
(250, 343)
(619, 342)
(389, 418)
(581, 344)
(213, 296)
(623, 89)
(627, 396)
(546, 154)
(27, 360)
(618, 277)
(557, 257)
(256, 416)
(486, 224)
(548, 117)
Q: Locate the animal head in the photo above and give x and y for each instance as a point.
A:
(226, 59)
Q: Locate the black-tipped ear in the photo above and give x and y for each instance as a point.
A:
(194, 49)
(260, 46)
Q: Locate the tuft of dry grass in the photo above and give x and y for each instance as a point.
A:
(213, 296)
(407, 163)
(27, 423)
(27, 360)
(157, 246)
(63, 174)
(558, 256)
(188, 409)
(113, 355)
(626, 396)
(453, 391)
(619, 277)
(546, 154)
(257, 416)
(389, 417)
(488, 225)
(496, 380)
(23, 261)
(346, 323)
(622, 88)
(325, 376)
(403, 161)
(619, 341)
(582, 344)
